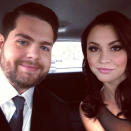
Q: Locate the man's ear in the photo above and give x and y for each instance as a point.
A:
(1, 40)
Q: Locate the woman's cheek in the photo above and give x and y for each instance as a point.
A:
(91, 60)
(121, 61)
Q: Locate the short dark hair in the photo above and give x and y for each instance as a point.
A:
(33, 9)
(122, 26)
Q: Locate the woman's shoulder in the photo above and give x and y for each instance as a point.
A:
(111, 122)
(91, 124)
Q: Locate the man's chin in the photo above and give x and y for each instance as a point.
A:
(26, 84)
(26, 81)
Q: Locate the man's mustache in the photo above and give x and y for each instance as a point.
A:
(29, 62)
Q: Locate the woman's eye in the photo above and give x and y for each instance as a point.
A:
(93, 48)
(22, 42)
(116, 48)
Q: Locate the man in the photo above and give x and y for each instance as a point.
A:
(28, 34)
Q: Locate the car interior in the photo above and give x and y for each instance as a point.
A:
(66, 79)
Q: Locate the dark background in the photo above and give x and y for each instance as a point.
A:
(74, 15)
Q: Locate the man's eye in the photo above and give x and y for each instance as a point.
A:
(45, 48)
(93, 48)
(116, 48)
(22, 42)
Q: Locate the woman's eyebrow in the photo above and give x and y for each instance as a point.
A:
(110, 43)
(93, 43)
(113, 42)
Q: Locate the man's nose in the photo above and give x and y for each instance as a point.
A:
(33, 52)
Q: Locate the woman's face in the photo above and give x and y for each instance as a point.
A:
(106, 57)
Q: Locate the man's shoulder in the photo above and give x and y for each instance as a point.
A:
(47, 95)
(51, 110)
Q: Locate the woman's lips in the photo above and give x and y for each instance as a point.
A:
(105, 70)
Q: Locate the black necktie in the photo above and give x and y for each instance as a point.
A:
(16, 121)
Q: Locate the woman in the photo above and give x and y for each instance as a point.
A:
(106, 45)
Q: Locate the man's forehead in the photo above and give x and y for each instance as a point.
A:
(25, 17)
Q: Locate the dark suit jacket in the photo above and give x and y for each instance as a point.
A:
(49, 113)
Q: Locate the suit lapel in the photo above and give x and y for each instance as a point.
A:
(40, 115)
(4, 126)
(35, 118)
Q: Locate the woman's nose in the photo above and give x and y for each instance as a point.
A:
(105, 57)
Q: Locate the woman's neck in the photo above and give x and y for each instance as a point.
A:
(108, 93)
(110, 88)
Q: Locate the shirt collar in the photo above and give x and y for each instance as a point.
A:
(28, 95)
(7, 91)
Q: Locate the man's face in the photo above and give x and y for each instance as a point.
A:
(25, 56)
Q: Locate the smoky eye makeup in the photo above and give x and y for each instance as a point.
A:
(116, 46)
(92, 48)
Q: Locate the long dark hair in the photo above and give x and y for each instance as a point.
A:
(93, 101)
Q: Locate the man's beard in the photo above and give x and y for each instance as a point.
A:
(17, 78)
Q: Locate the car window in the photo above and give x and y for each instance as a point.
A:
(66, 57)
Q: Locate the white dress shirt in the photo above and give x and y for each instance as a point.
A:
(7, 92)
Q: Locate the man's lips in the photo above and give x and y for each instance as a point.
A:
(30, 67)
(105, 70)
